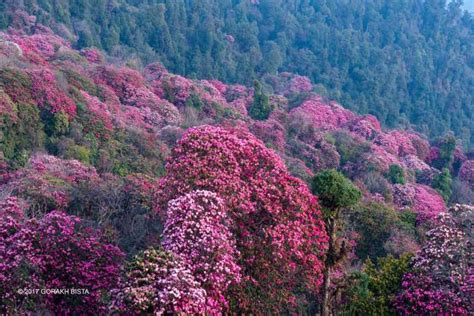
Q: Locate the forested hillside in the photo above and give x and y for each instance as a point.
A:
(140, 191)
(406, 62)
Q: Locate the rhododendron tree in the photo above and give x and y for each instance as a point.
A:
(396, 142)
(271, 132)
(367, 127)
(290, 85)
(158, 282)
(276, 221)
(55, 252)
(11, 251)
(47, 94)
(326, 116)
(412, 162)
(130, 88)
(378, 158)
(37, 48)
(47, 181)
(466, 173)
(436, 283)
(100, 122)
(197, 229)
(92, 55)
(425, 201)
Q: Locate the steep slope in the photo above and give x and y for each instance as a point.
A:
(75, 105)
(406, 62)
(99, 157)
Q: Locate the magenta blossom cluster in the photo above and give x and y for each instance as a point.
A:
(466, 173)
(132, 92)
(47, 180)
(37, 48)
(198, 230)
(323, 115)
(425, 201)
(158, 283)
(441, 269)
(276, 221)
(47, 94)
(92, 55)
(54, 252)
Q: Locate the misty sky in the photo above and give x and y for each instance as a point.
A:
(469, 4)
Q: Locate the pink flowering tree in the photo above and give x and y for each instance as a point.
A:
(323, 115)
(130, 88)
(197, 229)
(437, 284)
(92, 55)
(158, 282)
(275, 219)
(47, 181)
(54, 252)
(271, 132)
(13, 248)
(425, 201)
(466, 173)
(47, 94)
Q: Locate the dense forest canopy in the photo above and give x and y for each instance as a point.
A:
(141, 191)
(407, 62)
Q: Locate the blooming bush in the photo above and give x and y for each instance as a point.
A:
(54, 252)
(101, 117)
(326, 116)
(440, 270)
(466, 173)
(159, 283)
(425, 201)
(197, 230)
(367, 127)
(47, 181)
(37, 48)
(92, 55)
(47, 94)
(276, 221)
(270, 132)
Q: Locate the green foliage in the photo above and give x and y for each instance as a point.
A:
(129, 152)
(375, 287)
(194, 101)
(334, 191)
(348, 148)
(396, 175)
(260, 108)
(447, 145)
(443, 184)
(80, 153)
(375, 224)
(80, 82)
(23, 135)
(60, 123)
(387, 58)
(408, 219)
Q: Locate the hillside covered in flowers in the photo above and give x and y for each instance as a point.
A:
(153, 193)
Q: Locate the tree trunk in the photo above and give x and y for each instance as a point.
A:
(331, 230)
